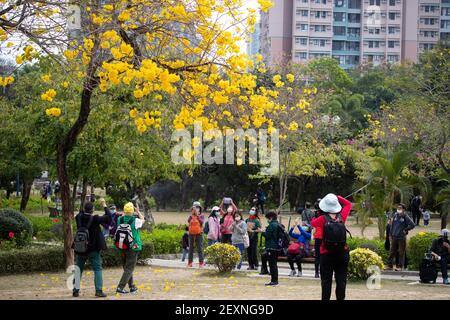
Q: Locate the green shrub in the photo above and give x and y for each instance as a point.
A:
(418, 245)
(375, 245)
(361, 259)
(25, 229)
(224, 256)
(164, 240)
(34, 203)
(43, 223)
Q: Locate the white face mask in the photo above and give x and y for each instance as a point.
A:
(238, 218)
(252, 212)
(399, 211)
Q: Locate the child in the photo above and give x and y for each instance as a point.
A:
(185, 243)
(426, 217)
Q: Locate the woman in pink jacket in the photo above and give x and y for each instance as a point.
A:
(227, 220)
(214, 226)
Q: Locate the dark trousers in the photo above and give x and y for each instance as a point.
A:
(397, 246)
(416, 216)
(272, 256)
(129, 259)
(95, 259)
(317, 243)
(195, 240)
(226, 238)
(260, 205)
(297, 258)
(444, 262)
(337, 264)
(252, 251)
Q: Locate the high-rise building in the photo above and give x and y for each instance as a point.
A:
(353, 31)
(254, 45)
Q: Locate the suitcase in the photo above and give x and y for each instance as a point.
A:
(428, 272)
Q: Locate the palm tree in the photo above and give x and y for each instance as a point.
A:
(349, 109)
(390, 182)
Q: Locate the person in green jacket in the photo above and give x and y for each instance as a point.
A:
(271, 235)
(129, 256)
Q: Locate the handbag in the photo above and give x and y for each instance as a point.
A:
(246, 240)
(296, 248)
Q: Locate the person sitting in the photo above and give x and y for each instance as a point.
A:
(440, 249)
(299, 249)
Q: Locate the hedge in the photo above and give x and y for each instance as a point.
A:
(51, 258)
(375, 245)
(418, 245)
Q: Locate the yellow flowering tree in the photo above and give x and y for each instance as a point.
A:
(185, 50)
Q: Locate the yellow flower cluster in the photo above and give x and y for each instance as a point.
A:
(150, 119)
(28, 55)
(48, 95)
(5, 81)
(53, 112)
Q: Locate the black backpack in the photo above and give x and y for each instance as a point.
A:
(283, 238)
(123, 238)
(81, 239)
(334, 234)
(427, 271)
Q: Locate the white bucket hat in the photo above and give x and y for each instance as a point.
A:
(330, 204)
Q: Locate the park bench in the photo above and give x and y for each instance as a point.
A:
(309, 259)
(54, 212)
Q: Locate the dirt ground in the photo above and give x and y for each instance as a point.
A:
(370, 232)
(183, 284)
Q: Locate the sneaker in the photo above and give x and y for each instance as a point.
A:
(317, 275)
(100, 294)
(189, 265)
(201, 264)
(398, 269)
(388, 268)
(121, 291)
(272, 284)
(446, 281)
(299, 274)
(293, 272)
(133, 289)
(75, 293)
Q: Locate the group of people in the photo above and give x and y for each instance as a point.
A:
(226, 224)
(90, 240)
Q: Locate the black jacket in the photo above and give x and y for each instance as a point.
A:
(96, 239)
(438, 247)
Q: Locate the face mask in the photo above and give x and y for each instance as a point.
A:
(252, 212)
(237, 218)
(399, 211)
(230, 210)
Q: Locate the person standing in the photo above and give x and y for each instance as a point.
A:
(214, 226)
(254, 229)
(227, 220)
(129, 256)
(196, 221)
(426, 217)
(271, 235)
(440, 249)
(416, 203)
(96, 244)
(334, 252)
(307, 214)
(239, 231)
(400, 225)
(261, 199)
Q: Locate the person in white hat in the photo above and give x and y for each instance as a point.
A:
(334, 255)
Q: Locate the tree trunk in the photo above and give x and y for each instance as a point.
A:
(74, 195)
(64, 147)
(83, 194)
(149, 220)
(26, 190)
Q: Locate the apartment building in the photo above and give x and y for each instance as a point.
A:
(353, 31)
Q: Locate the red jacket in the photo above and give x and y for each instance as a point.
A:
(319, 223)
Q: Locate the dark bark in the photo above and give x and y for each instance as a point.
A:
(444, 220)
(65, 145)
(26, 190)
(149, 220)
